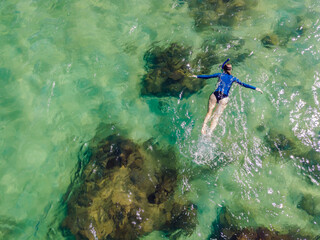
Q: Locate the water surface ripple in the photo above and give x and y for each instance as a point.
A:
(69, 67)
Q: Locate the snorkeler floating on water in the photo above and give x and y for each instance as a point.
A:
(220, 95)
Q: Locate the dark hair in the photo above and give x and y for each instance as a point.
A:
(227, 68)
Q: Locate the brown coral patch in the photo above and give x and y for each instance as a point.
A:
(128, 190)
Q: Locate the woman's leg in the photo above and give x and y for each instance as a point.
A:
(212, 103)
(218, 112)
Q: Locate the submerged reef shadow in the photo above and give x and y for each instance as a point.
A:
(169, 68)
(288, 27)
(10, 228)
(215, 50)
(168, 72)
(227, 226)
(127, 190)
(11, 106)
(209, 13)
(289, 149)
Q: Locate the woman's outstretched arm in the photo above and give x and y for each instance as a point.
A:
(207, 76)
(248, 85)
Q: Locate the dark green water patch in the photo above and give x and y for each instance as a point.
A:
(55, 7)
(10, 228)
(10, 16)
(127, 190)
(310, 204)
(11, 106)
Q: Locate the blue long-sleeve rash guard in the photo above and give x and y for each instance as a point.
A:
(225, 82)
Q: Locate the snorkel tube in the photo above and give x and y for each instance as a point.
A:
(225, 63)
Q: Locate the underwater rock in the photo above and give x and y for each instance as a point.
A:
(207, 57)
(289, 148)
(270, 40)
(128, 191)
(168, 72)
(169, 69)
(273, 40)
(278, 142)
(216, 51)
(219, 12)
(252, 234)
(11, 228)
(225, 228)
(204, 61)
(310, 160)
(288, 145)
(261, 128)
(287, 28)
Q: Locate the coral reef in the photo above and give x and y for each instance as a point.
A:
(168, 72)
(225, 228)
(287, 28)
(216, 51)
(128, 191)
(286, 146)
(278, 142)
(169, 69)
(270, 40)
(309, 159)
(219, 12)
(233, 48)
(206, 59)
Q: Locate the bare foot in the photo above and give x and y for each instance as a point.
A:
(203, 131)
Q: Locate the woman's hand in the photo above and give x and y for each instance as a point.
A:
(259, 90)
(194, 76)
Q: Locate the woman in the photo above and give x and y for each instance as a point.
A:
(220, 95)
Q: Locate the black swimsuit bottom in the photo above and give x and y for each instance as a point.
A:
(220, 95)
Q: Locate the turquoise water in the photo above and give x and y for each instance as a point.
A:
(66, 67)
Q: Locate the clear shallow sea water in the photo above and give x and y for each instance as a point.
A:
(68, 66)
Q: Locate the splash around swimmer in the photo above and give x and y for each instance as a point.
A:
(220, 96)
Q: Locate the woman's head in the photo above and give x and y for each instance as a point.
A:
(227, 68)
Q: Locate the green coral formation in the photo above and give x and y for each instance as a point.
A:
(216, 51)
(287, 28)
(279, 142)
(208, 13)
(128, 191)
(168, 72)
(225, 227)
(169, 68)
(270, 40)
(284, 146)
